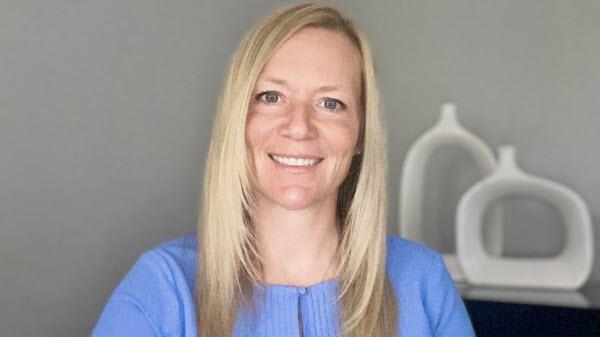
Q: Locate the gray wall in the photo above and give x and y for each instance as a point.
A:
(106, 109)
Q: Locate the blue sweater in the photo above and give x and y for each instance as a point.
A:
(155, 298)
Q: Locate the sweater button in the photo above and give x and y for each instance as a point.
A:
(301, 291)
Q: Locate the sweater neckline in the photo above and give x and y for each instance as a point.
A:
(321, 287)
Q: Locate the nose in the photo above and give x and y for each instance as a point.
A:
(299, 124)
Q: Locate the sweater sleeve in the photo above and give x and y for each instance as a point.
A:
(448, 316)
(140, 299)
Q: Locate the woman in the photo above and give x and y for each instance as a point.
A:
(292, 229)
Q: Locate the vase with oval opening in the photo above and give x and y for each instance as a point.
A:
(567, 270)
(446, 132)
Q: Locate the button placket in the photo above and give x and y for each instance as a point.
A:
(301, 291)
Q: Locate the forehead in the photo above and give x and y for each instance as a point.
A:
(316, 54)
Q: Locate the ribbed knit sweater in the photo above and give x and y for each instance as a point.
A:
(155, 298)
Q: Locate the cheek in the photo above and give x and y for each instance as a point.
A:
(259, 132)
(255, 134)
(342, 143)
(343, 137)
(252, 137)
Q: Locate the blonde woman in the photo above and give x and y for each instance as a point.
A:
(292, 232)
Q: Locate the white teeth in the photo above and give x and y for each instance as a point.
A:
(294, 161)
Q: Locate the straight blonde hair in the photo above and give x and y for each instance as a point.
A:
(229, 262)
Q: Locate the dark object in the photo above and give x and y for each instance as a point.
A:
(491, 319)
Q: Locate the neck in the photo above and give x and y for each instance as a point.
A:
(297, 246)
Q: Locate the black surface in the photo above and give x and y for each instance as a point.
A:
(491, 319)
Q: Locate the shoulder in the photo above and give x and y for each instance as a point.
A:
(178, 248)
(409, 266)
(412, 268)
(175, 258)
(396, 242)
(166, 266)
(186, 242)
(408, 256)
(156, 294)
(425, 289)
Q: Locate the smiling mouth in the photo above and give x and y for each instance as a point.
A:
(296, 161)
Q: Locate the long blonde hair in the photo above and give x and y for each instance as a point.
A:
(229, 262)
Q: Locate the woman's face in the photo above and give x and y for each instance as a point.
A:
(304, 119)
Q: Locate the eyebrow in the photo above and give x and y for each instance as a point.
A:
(322, 88)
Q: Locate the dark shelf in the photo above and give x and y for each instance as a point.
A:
(511, 312)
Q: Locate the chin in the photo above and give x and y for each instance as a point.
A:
(294, 206)
(294, 199)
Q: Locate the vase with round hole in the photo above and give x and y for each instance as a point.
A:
(567, 270)
(447, 131)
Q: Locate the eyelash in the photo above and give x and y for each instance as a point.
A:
(260, 95)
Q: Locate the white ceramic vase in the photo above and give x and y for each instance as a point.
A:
(568, 270)
(447, 131)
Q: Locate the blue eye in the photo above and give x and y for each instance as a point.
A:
(269, 96)
(333, 104)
